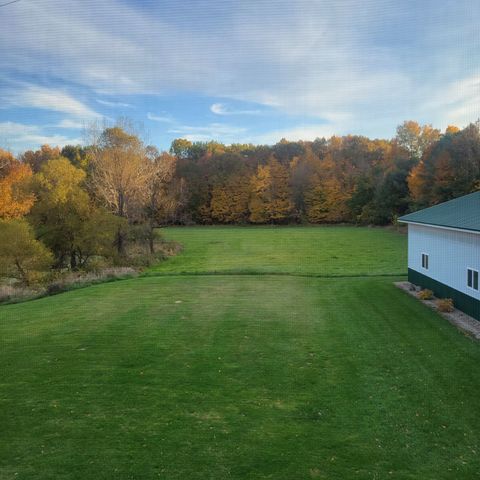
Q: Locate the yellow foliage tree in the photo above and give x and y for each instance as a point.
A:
(271, 198)
(329, 190)
(229, 202)
(57, 180)
(316, 208)
(326, 201)
(65, 218)
(451, 130)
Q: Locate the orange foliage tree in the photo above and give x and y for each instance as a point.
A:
(15, 198)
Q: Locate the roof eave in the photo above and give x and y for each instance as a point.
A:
(443, 227)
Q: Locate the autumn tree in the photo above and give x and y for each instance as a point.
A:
(16, 199)
(419, 185)
(160, 197)
(229, 202)
(120, 175)
(415, 138)
(173, 209)
(302, 169)
(449, 168)
(35, 159)
(65, 218)
(327, 195)
(326, 201)
(270, 200)
(451, 130)
(6, 161)
(181, 148)
(456, 164)
(444, 178)
(21, 255)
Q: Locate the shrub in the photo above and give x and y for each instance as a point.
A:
(445, 305)
(21, 255)
(425, 294)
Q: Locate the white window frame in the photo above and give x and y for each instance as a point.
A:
(473, 270)
(427, 263)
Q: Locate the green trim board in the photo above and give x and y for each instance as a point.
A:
(462, 213)
(465, 303)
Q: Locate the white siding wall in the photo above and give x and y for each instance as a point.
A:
(450, 253)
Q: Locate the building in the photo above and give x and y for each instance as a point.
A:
(444, 251)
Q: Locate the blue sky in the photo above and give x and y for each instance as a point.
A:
(235, 71)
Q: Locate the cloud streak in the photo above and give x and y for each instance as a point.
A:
(222, 109)
(108, 103)
(457, 103)
(160, 118)
(34, 96)
(212, 131)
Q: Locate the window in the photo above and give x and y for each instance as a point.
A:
(472, 278)
(425, 261)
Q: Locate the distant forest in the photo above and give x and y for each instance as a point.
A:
(341, 179)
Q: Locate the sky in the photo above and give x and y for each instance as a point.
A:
(235, 71)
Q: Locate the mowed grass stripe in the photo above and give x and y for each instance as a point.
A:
(245, 377)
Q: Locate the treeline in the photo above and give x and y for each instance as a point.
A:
(342, 179)
(70, 207)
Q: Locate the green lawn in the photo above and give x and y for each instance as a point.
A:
(238, 376)
(324, 251)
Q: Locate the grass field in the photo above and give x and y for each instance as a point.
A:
(239, 376)
(324, 251)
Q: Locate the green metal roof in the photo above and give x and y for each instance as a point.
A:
(462, 213)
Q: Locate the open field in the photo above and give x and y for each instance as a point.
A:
(325, 251)
(240, 376)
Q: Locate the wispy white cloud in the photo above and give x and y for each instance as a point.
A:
(108, 103)
(72, 124)
(8, 129)
(160, 118)
(34, 96)
(457, 103)
(222, 109)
